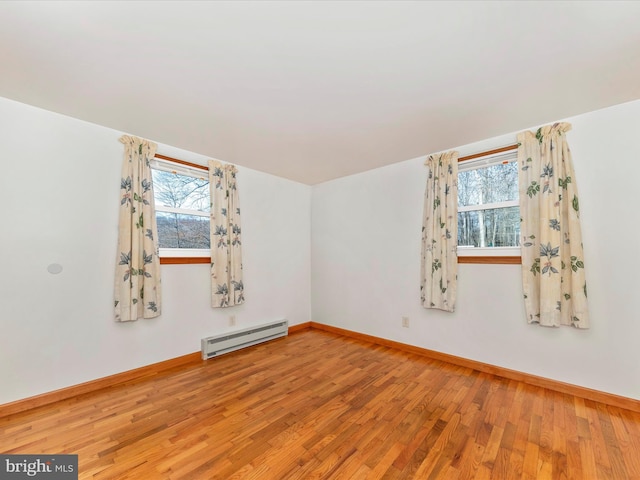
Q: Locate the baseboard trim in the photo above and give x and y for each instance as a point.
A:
(99, 384)
(583, 392)
(301, 327)
(195, 358)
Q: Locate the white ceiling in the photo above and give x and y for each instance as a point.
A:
(312, 91)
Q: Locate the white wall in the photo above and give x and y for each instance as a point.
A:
(366, 259)
(59, 189)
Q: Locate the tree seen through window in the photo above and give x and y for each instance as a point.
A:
(182, 210)
(488, 214)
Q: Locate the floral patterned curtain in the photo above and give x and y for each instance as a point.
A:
(137, 282)
(227, 288)
(555, 290)
(440, 233)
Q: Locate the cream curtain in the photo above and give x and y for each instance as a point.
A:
(440, 233)
(227, 288)
(555, 290)
(137, 282)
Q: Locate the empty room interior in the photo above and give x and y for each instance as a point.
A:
(398, 249)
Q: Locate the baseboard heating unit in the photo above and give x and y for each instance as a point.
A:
(231, 341)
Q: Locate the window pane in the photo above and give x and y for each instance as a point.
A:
(497, 183)
(498, 227)
(182, 231)
(180, 191)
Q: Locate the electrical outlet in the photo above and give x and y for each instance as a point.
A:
(405, 322)
(232, 320)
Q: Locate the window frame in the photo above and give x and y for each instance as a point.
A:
(489, 255)
(174, 256)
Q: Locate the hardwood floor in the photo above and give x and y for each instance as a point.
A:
(316, 405)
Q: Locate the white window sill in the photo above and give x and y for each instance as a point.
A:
(184, 252)
(488, 251)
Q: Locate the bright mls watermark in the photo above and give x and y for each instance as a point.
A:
(50, 467)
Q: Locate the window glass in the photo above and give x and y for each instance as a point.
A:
(183, 205)
(496, 227)
(178, 190)
(177, 230)
(490, 184)
(488, 209)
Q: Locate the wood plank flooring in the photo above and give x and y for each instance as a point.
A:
(316, 405)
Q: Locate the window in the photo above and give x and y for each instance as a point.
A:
(183, 205)
(488, 207)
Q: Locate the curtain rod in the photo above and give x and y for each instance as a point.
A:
(188, 164)
(489, 152)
